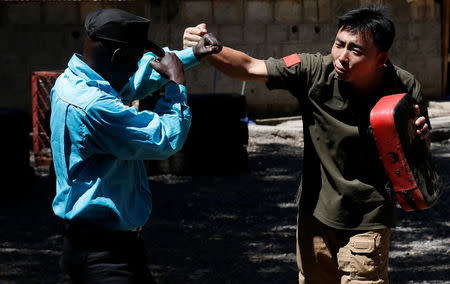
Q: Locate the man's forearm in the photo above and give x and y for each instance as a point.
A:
(238, 65)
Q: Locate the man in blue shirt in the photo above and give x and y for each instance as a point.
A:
(99, 143)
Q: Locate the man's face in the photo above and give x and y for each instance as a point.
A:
(124, 64)
(355, 56)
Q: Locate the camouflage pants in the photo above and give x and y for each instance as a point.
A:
(328, 255)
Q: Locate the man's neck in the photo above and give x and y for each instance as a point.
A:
(369, 86)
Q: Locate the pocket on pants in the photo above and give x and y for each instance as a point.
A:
(359, 256)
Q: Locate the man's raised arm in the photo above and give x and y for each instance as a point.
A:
(232, 63)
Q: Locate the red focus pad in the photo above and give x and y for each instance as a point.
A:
(292, 59)
(415, 182)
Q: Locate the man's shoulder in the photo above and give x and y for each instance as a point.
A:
(403, 75)
(78, 92)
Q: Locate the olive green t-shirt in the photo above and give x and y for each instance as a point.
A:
(343, 181)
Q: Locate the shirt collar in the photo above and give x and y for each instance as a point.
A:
(81, 69)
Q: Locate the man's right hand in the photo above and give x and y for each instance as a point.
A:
(193, 35)
(207, 45)
(170, 67)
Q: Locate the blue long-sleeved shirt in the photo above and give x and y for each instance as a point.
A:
(99, 143)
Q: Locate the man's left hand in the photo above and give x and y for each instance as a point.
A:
(422, 128)
(207, 45)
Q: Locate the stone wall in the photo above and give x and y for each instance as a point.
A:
(44, 35)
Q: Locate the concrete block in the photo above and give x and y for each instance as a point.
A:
(398, 49)
(417, 9)
(341, 7)
(433, 66)
(273, 50)
(415, 66)
(20, 81)
(432, 93)
(228, 12)
(160, 33)
(135, 7)
(365, 3)
(432, 9)
(214, 29)
(259, 12)
(15, 100)
(195, 12)
(278, 33)
(324, 7)
(254, 34)
(225, 84)
(3, 15)
(230, 34)
(288, 11)
(291, 48)
(62, 13)
(399, 11)
(427, 48)
(424, 10)
(7, 32)
(401, 31)
(24, 13)
(48, 61)
(323, 48)
(39, 40)
(293, 34)
(10, 63)
(158, 12)
(253, 50)
(73, 41)
(200, 80)
(309, 32)
(87, 7)
(421, 30)
(176, 37)
(310, 10)
(327, 32)
(429, 80)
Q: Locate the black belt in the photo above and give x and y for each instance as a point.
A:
(95, 236)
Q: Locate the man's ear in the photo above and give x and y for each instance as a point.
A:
(382, 57)
(115, 57)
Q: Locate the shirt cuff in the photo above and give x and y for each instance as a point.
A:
(187, 57)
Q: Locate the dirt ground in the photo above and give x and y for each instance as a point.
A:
(231, 229)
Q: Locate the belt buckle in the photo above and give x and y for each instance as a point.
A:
(137, 229)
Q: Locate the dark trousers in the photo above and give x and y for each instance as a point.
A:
(93, 256)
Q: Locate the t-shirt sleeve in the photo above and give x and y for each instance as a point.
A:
(285, 72)
(294, 72)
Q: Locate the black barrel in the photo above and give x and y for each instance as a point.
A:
(17, 175)
(217, 141)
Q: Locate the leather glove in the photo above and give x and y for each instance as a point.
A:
(207, 45)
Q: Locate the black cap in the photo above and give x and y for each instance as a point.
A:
(122, 27)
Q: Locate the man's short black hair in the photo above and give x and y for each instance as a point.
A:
(371, 19)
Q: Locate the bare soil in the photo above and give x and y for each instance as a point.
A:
(228, 229)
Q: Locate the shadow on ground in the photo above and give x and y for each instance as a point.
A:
(232, 229)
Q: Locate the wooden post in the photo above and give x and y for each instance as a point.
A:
(445, 45)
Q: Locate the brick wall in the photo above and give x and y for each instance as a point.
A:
(43, 36)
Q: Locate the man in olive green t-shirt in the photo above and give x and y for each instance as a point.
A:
(345, 212)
